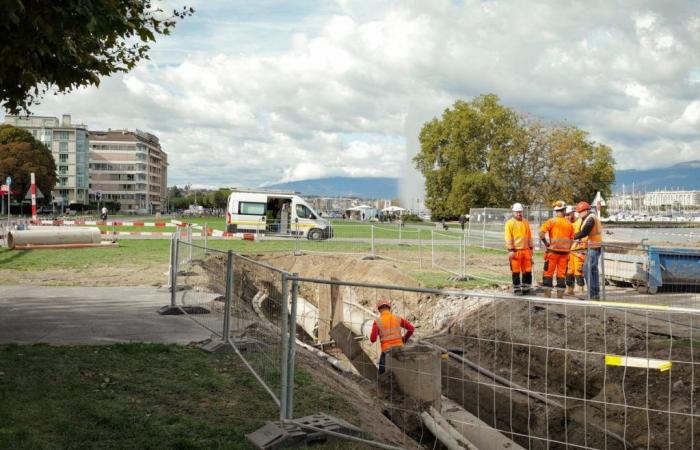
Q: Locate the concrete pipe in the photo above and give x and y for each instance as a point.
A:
(54, 236)
(354, 316)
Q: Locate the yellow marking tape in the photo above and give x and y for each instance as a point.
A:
(644, 363)
(634, 305)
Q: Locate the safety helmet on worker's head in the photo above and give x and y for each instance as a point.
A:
(518, 207)
(559, 205)
(582, 206)
(384, 303)
(569, 210)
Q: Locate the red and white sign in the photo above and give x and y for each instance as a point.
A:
(3, 189)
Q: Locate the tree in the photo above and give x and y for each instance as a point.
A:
(20, 155)
(72, 43)
(481, 154)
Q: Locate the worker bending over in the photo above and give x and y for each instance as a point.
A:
(519, 244)
(388, 329)
(590, 236)
(574, 269)
(556, 235)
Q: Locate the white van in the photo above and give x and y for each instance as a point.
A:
(274, 212)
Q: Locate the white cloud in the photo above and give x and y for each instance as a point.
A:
(326, 91)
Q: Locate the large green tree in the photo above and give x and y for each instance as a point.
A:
(71, 43)
(482, 153)
(20, 155)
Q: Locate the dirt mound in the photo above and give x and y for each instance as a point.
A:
(559, 351)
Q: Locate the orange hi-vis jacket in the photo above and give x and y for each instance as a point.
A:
(595, 237)
(518, 235)
(389, 330)
(561, 234)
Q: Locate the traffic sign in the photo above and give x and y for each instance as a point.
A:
(8, 181)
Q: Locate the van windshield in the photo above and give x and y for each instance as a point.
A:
(304, 213)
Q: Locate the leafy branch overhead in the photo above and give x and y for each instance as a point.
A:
(482, 153)
(66, 44)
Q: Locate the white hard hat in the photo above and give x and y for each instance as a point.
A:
(569, 209)
(518, 207)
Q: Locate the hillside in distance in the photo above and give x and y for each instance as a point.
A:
(363, 187)
(684, 176)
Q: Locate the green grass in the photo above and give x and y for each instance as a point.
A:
(139, 396)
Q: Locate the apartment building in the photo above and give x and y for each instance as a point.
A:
(68, 143)
(671, 198)
(129, 167)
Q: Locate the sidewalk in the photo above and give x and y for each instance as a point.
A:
(90, 315)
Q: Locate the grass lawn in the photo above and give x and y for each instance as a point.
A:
(139, 396)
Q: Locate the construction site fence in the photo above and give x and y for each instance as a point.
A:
(540, 372)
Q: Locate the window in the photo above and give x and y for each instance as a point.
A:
(253, 209)
(61, 135)
(63, 158)
(63, 147)
(304, 213)
(63, 170)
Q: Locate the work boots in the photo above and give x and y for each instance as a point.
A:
(547, 292)
(569, 290)
(560, 293)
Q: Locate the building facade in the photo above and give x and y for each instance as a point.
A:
(69, 145)
(129, 167)
(672, 198)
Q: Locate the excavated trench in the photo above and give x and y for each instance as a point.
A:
(556, 351)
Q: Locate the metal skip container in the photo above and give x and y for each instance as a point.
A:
(54, 236)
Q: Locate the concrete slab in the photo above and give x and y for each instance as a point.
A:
(90, 315)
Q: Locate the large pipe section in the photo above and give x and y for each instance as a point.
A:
(53, 236)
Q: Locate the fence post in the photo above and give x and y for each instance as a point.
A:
(284, 355)
(420, 249)
(229, 297)
(400, 233)
(174, 269)
(189, 247)
(206, 237)
(469, 226)
(432, 248)
(372, 238)
(483, 232)
(292, 349)
(463, 253)
(602, 272)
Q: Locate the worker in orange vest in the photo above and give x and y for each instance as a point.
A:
(574, 269)
(591, 236)
(388, 329)
(518, 237)
(556, 234)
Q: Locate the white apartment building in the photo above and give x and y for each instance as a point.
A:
(129, 167)
(68, 143)
(671, 198)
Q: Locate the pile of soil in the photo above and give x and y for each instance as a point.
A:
(559, 351)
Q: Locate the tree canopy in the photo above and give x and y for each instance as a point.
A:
(482, 153)
(20, 155)
(72, 43)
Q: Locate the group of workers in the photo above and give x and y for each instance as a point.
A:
(572, 241)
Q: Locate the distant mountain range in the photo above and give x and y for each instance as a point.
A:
(680, 176)
(363, 187)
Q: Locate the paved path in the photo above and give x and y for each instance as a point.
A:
(90, 315)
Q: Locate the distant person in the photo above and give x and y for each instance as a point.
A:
(574, 269)
(362, 216)
(462, 221)
(518, 237)
(591, 237)
(557, 234)
(388, 329)
(103, 215)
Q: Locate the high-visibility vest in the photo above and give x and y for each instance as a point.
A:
(561, 233)
(595, 237)
(518, 235)
(577, 227)
(389, 331)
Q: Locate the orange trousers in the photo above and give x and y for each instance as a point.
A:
(555, 265)
(521, 261)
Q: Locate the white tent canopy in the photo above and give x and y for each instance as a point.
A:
(393, 209)
(359, 208)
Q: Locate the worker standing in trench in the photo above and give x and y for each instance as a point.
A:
(574, 269)
(557, 235)
(519, 244)
(388, 329)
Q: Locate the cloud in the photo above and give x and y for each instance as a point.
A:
(251, 95)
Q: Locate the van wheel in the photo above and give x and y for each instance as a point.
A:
(315, 234)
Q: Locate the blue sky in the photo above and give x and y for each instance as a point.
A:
(252, 93)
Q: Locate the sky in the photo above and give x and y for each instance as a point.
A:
(248, 93)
